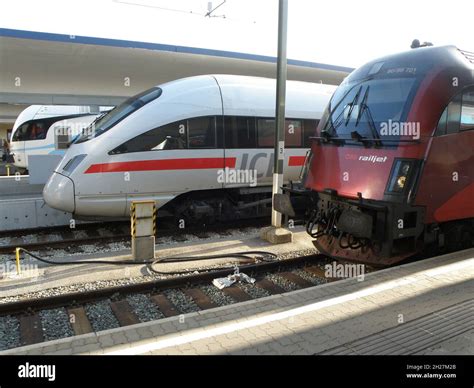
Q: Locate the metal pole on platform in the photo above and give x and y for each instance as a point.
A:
(279, 151)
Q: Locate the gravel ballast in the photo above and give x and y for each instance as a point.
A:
(55, 323)
(217, 296)
(9, 333)
(144, 308)
(183, 303)
(101, 316)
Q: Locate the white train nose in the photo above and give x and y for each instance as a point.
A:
(58, 193)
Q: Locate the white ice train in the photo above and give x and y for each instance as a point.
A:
(200, 147)
(47, 129)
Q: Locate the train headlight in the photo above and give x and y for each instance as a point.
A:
(400, 175)
(401, 182)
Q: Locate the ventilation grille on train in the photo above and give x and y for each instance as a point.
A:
(469, 55)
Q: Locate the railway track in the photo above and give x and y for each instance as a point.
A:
(119, 232)
(32, 321)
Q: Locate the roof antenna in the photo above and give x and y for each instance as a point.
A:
(416, 44)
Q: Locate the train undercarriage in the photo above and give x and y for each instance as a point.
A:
(378, 233)
(214, 206)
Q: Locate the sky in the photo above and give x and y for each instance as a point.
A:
(337, 32)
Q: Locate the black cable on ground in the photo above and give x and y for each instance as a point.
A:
(246, 255)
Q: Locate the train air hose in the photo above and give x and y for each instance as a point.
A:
(325, 225)
(245, 257)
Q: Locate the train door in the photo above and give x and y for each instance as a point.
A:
(244, 163)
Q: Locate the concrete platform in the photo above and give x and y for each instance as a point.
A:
(410, 309)
(37, 276)
(29, 211)
(22, 206)
(18, 185)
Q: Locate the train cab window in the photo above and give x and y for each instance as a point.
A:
(21, 132)
(32, 130)
(167, 137)
(309, 128)
(37, 131)
(467, 111)
(239, 132)
(202, 132)
(113, 117)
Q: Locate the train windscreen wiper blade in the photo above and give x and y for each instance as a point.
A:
(365, 108)
(83, 136)
(352, 105)
(326, 135)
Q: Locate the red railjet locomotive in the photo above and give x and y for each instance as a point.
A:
(391, 168)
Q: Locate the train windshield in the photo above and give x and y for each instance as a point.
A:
(38, 129)
(369, 109)
(107, 120)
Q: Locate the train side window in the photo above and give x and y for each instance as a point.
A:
(454, 115)
(202, 132)
(309, 128)
(239, 132)
(167, 137)
(293, 134)
(467, 111)
(266, 133)
(441, 129)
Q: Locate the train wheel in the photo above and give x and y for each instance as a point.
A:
(458, 236)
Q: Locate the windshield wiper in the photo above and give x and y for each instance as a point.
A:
(353, 104)
(365, 108)
(325, 134)
(98, 118)
(82, 137)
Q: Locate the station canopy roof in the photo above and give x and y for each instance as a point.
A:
(47, 68)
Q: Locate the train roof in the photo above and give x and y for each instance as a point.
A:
(245, 95)
(424, 57)
(35, 112)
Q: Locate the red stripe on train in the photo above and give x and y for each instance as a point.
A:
(295, 161)
(163, 164)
